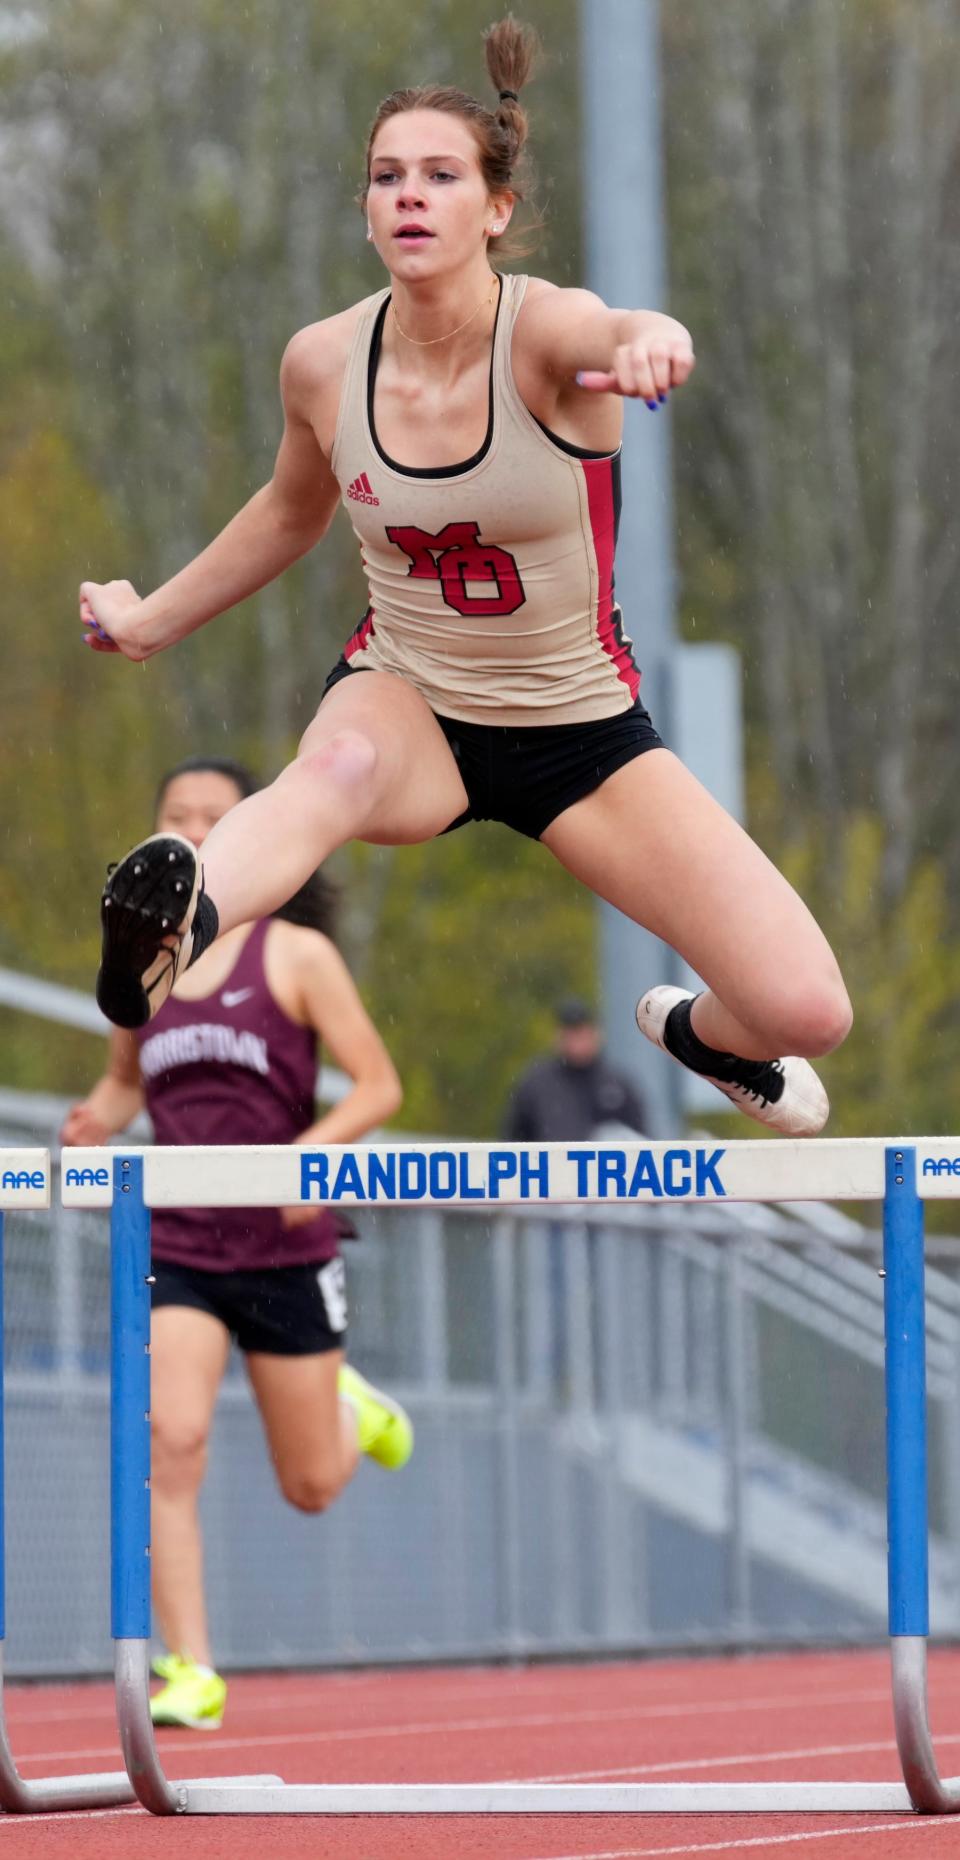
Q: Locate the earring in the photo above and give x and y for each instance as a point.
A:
(497, 228)
(369, 232)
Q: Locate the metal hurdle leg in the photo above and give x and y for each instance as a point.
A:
(905, 1323)
(17, 1795)
(130, 1495)
(130, 1484)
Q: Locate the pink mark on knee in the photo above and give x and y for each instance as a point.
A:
(348, 758)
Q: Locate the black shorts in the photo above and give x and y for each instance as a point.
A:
(280, 1311)
(526, 775)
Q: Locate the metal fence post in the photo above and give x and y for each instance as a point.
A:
(620, 1615)
(738, 1548)
(432, 1268)
(504, 1321)
(68, 1292)
(577, 1289)
(674, 1381)
(539, 1316)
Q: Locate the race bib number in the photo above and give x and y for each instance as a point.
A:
(332, 1280)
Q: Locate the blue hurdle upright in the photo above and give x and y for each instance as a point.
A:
(907, 1545)
(900, 1175)
(25, 1183)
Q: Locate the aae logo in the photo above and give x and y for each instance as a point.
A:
(941, 1165)
(23, 1178)
(88, 1178)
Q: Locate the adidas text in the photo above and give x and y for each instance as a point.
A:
(361, 490)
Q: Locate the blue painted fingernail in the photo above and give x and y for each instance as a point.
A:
(661, 398)
(652, 404)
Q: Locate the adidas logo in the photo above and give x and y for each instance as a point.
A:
(361, 490)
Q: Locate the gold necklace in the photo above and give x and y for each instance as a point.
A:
(417, 341)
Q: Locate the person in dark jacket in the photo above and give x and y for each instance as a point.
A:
(574, 1092)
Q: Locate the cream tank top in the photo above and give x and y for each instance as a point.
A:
(490, 582)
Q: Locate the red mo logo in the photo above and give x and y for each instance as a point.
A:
(456, 556)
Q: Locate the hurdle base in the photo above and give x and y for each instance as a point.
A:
(145, 1779)
(675, 1798)
(103, 1789)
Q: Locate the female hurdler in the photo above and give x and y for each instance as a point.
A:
(470, 423)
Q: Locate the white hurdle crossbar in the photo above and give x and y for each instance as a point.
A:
(898, 1172)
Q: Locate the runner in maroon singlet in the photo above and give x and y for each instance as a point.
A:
(232, 1058)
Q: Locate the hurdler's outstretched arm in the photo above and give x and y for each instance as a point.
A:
(637, 353)
(280, 523)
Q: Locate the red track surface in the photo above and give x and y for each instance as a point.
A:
(804, 1716)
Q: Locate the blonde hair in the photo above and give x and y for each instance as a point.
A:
(512, 51)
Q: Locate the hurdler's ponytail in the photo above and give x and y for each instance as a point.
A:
(511, 50)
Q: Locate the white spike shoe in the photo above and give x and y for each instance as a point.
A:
(784, 1094)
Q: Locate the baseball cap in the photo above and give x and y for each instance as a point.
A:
(573, 1012)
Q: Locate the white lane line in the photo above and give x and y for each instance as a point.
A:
(683, 1764)
(516, 1722)
(283, 1698)
(104, 1707)
(80, 1816)
(906, 1825)
(678, 1765)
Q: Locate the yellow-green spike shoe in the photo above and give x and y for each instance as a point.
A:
(193, 1696)
(384, 1429)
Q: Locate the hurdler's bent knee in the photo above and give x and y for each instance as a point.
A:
(345, 762)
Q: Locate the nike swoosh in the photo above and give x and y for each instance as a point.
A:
(233, 997)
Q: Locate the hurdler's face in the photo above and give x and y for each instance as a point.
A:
(427, 203)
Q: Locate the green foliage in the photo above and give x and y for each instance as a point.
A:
(62, 743)
(480, 933)
(901, 961)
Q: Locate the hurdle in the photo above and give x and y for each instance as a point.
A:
(25, 1183)
(898, 1173)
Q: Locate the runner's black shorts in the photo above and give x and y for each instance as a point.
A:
(278, 1311)
(526, 776)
